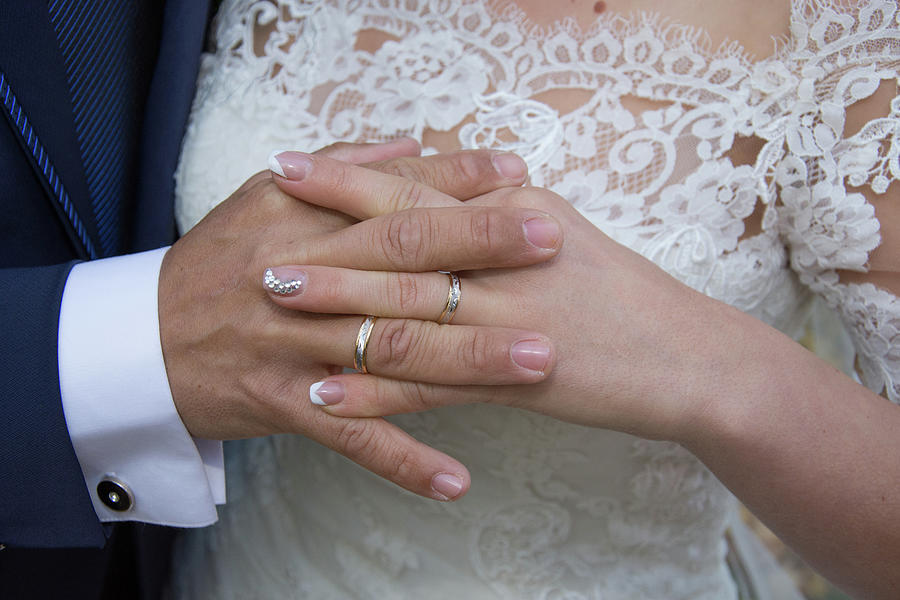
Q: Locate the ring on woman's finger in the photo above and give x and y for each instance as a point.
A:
(362, 344)
(453, 296)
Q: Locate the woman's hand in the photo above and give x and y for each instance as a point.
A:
(637, 350)
(240, 366)
(812, 453)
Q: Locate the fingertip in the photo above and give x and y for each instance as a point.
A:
(510, 166)
(365, 154)
(283, 282)
(534, 355)
(294, 166)
(543, 231)
(407, 146)
(274, 165)
(448, 487)
(326, 393)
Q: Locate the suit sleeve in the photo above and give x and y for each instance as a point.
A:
(94, 404)
(44, 501)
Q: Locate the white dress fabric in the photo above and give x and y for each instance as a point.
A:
(556, 511)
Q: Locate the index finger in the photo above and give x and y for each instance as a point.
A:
(388, 451)
(458, 238)
(396, 184)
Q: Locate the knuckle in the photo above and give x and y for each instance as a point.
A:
(262, 198)
(331, 291)
(405, 236)
(410, 168)
(356, 437)
(486, 231)
(401, 396)
(402, 465)
(263, 257)
(397, 344)
(403, 167)
(267, 251)
(405, 291)
(459, 173)
(415, 398)
(475, 353)
(343, 180)
(472, 167)
(260, 178)
(262, 405)
(408, 193)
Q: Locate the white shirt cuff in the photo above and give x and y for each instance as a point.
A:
(117, 402)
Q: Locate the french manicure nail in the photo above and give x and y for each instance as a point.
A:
(509, 165)
(531, 354)
(326, 393)
(290, 165)
(285, 281)
(447, 485)
(542, 232)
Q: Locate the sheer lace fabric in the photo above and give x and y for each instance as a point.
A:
(556, 511)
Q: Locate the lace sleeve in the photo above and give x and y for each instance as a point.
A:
(824, 175)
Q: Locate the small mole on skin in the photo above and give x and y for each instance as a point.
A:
(599, 7)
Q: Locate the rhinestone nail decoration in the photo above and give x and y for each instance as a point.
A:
(281, 287)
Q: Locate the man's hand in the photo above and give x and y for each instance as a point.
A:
(240, 366)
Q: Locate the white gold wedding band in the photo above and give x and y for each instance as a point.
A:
(362, 344)
(453, 296)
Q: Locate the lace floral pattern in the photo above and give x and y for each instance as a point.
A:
(556, 511)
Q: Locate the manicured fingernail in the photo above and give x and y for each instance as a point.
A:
(531, 354)
(447, 485)
(510, 166)
(290, 165)
(285, 281)
(326, 393)
(542, 232)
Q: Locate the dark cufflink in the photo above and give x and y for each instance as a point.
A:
(115, 494)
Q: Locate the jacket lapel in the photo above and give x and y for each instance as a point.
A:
(168, 107)
(35, 100)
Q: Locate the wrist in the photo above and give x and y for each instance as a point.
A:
(741, 368)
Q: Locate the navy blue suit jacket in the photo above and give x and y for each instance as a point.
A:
(45, 506)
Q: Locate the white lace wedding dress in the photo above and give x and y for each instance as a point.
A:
(556, 511)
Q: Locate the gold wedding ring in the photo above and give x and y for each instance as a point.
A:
(362, 344)
(453, 297)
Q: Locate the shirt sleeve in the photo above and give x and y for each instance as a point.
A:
(117, 403)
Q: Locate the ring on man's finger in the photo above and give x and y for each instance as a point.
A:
(362, 343)
(453, 296)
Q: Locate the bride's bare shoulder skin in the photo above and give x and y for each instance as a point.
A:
(752, 24)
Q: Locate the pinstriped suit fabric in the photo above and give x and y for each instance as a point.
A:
(94, 39)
